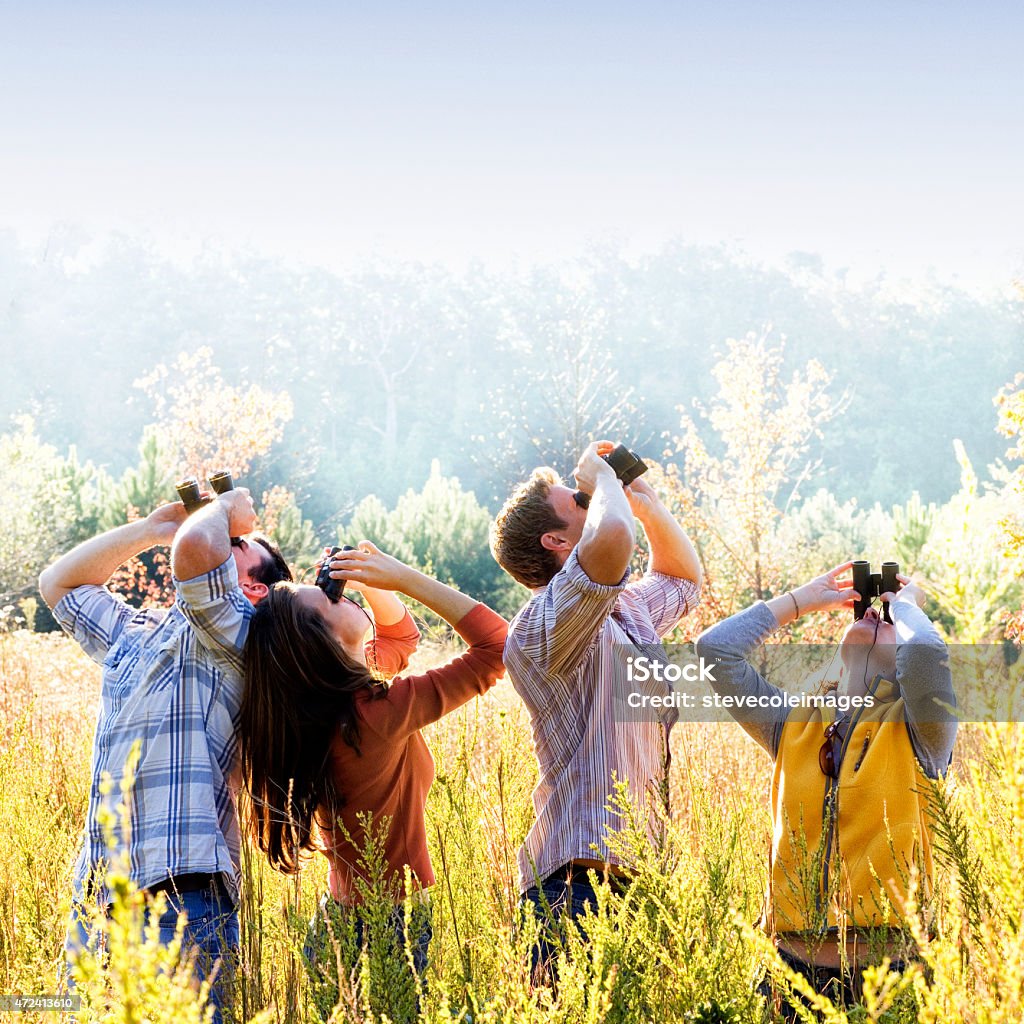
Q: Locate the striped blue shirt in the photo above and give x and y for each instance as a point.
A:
(171, 683)
(560, 656)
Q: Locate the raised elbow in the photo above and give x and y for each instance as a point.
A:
(49, 589)
(604, 554)
(704, 647)
(193, 553)
(711, 646)
(490, 681)
(619, 535)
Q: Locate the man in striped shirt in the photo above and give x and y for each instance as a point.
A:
(560, 658)
(171, 689)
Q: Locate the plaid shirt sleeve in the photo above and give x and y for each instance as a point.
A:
(554, 633)
(219, 613)
(666, 598)
(94, 617)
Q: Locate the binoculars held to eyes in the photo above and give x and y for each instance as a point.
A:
(190, 493)
(873, 584)
(331, 587)
(627, 465)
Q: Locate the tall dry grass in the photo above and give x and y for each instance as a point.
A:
(680, 946)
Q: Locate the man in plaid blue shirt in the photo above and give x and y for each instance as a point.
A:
(171, 690)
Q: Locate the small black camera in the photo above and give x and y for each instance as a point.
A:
(627, 465)
(190, 493)
(873, 584)
(331, 587)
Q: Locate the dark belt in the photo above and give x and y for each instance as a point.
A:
(571, 872)
(194, 881)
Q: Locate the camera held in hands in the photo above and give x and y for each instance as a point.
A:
(627, 465)
(873, 584)
(192, 496)
(334, 589)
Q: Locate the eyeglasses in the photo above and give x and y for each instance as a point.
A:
(828, 762)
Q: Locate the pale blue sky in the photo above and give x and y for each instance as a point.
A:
(875, 133)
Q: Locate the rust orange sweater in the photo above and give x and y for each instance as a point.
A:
(392, 773)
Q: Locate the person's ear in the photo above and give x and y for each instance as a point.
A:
(254, 591)
(554, 542)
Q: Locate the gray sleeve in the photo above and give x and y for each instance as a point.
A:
(926, 683)
(728, 644)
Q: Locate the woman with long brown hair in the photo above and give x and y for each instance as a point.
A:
(334, 760)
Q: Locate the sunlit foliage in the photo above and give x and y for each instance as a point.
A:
(206, 424)
(1010, 402)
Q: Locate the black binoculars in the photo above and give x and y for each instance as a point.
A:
(190, 493)
(873, 584)
(331, 587)
(627, 465)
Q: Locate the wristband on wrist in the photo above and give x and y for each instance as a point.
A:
(795, 605)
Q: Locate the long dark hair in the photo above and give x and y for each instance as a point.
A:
(300, 688)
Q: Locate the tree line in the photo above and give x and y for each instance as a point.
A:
(390, 365)
(743, 471)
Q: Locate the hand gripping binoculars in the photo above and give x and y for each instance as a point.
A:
(627, 465)
(189, 491)
(331, 587)
(873, 584)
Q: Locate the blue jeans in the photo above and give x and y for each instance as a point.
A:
(553, 902)
(210, 933)
(338, 936)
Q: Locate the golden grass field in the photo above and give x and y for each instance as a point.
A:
(680, 946)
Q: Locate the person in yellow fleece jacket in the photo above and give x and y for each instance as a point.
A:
(851, 780)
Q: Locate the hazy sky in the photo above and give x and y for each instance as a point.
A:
(875, 133)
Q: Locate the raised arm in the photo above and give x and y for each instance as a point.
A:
(213, 597)
(609, 533)
(94, 561)
(204, 542)
(824, 593)
(672, 552)
(370, 568)
(925, 679)
(395, 635)
(729, 644)
(387, 609)
(415, 701)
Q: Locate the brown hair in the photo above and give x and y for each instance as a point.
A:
(516, 533)
(272, 569)
(300, 689)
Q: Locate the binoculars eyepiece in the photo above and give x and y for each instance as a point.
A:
(331, 587)
(191, 494)
(873, 584)
(627, 465)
